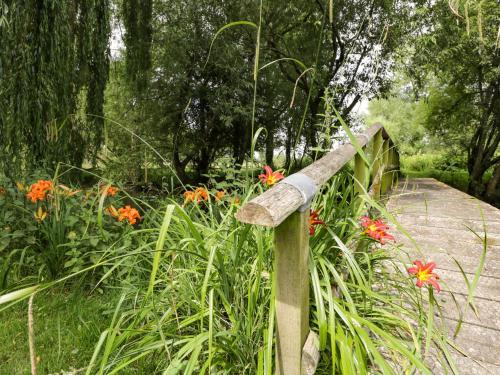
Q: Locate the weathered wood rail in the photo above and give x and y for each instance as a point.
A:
(286, 208)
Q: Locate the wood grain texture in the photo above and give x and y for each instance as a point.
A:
(292, 292)
(377, 169)
(310, 354)
(387, 173)
(446, 225)
(273, 206)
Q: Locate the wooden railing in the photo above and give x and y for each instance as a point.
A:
(285, 207)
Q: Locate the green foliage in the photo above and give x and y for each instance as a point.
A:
(137, 17)
(65, 237)
(67, 326)
(457, 52)
(51, 52)
(405, 121)
(201, 106)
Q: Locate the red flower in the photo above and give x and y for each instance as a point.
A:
(424, 274)
(376, 229)
(270, 178)
(128, 213)
(313, 221)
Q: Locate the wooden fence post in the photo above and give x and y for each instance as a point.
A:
(285, 207)
(386, 176)
(360, 178)
(292, 291)
(377, 164)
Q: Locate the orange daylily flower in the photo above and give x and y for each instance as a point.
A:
(376, 229)
(196, 196)
(201, 193)
(112, 211)
(20, 186)
(38, 190)
(424, 274)
(313, 221)
(40, 215)
(236, 201)
(219, 195)
(189, 196)
(130, 214)
(112, 190)
(269, 178)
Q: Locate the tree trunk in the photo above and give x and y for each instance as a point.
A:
(270, 147)
(179, 165)
(476, 186)
(288, 147)
(493, 183)
(239, 141)
(203, 164)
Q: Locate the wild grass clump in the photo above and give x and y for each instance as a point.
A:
(198, 294)
(195, 287)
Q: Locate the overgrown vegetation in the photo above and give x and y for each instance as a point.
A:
(196, 291)
(122, 174)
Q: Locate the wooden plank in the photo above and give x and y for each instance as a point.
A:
(292, 292)
(310, 354)
(436, 217)
(487, 310)
(466, 366)
(488, 287)
(478, 342)
(457, 235)
(360, 178)
(377, 165)
(273, 206)
(443, 222)
(386, 176)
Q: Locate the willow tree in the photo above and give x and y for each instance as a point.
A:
(53, 65)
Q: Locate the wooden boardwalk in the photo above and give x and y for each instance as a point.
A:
(441, 220)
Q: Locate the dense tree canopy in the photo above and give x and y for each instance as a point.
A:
(200, 107)
(195, 80)
(458, 47)
(53, 61)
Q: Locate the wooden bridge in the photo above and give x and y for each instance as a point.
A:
(451, 227)
(441, 224)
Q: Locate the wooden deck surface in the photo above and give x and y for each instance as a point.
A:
(442, 221)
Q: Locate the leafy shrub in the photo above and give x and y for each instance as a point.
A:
(49, 229)
(421, 162)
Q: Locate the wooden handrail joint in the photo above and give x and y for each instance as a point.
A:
(305, 186)
(273, 206)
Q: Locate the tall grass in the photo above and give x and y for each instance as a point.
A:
(198, 296)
